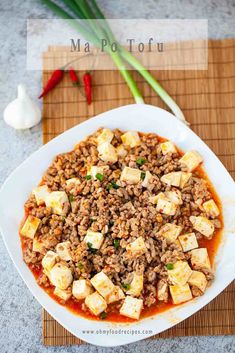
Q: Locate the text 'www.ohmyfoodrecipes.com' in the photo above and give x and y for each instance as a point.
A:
(117, 332)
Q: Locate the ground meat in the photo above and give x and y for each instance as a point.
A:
(196, 292)
(43, 280)
(208, 273)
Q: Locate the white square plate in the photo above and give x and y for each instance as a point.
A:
(143, 118)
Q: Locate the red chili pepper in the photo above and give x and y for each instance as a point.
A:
(87, 84)
(55, 78)
(73, 76)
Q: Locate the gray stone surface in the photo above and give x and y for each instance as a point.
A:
(20, 313)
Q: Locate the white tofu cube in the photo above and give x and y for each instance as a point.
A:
(41, 192)
(95, 239)
(81, 289)
(172, 179)
(180, 294)
(168, 147)
(61, 276)
(200, 259)
(94, 170)
(121, 151)
(211, 208)
(131, 175)
(116, 295)
(105, 136)
(95, 303)
(47, 273)
(107, 152)
(63, 250)
(38, 246)
(131, 139)
(58, 201)
(136, 248)
(102, 284)
(188, 241)
(191, 160)
(49, 260)
(202, 225)
(136, 285)
(174, 196)
(73, 181)
(184, 179)
(132, 307)
(162, 291)
(30, 227)
(154, 199)
(198, 279)
(180, 273)
(63, 294)
(147, 179)
(167, 207)
(170, 231)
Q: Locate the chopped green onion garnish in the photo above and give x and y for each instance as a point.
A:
(126, 286)
(80, 265)
(140, 161)
(99, 176)
(116, 243)
(113, 185)
(142, 175)
(88, 177)
(71, 198)
(90, 247)
(169, 266)
(103, 315)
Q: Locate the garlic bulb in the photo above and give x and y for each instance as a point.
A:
(22, 112)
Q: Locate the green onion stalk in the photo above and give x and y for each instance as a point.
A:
(91, 36)
(95, 30)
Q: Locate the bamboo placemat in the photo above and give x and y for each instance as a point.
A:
(208, 101)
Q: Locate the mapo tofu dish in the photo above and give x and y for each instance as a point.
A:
(122, 227)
